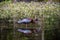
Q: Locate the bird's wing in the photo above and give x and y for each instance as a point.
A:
(26, 20)
(27, 31)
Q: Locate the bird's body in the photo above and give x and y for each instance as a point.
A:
(26, 21)
(25, 31)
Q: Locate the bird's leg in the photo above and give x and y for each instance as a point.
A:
(26, 25)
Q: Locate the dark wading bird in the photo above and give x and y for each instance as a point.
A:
(27, 30)
(27, 21)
